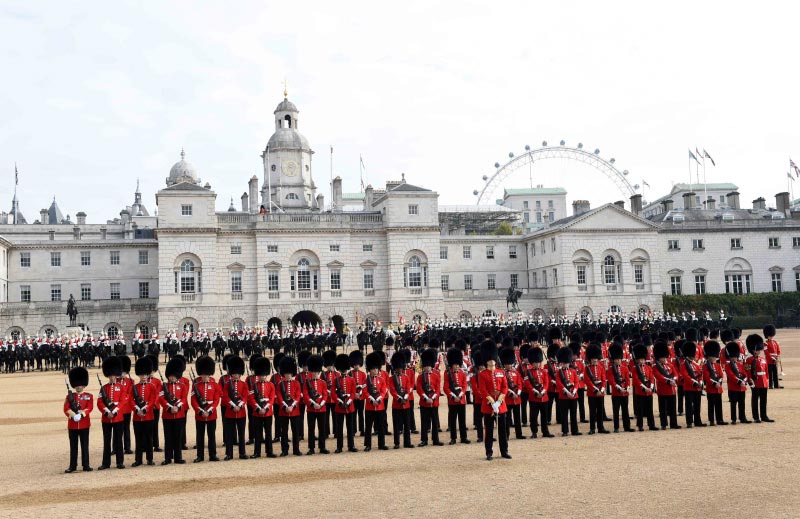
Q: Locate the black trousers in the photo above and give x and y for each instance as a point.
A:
(513, 419)
(643, 404)
(551, 400)
(317, 423)
(143, 431)
(359, 405)
(428, 416)
(262, 426)
(569, 417)
(76, 436)
(772, 370)
(523, 407)
(302, 421)
(201, 429)
(251, 429)
(401, 422)
(339, 421)
(502, 433)
(156, 418)
(233, 431)
(581, 405)
(693, 402)
(619, 404)
(378, 420)
(681, 398)
(758, 403)
(113, 431)
(457, 413)
(126, 432)
(539, 413)
(666, 409)
(284, 422)
(596, 406)
(173, 438)
(413, 421)
(714, 404)
(737, 403)
(477, 417)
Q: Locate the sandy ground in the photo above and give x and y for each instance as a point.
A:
(732, 471)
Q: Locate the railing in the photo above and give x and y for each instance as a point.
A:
(274, 295)
(415, 291)
(305, 294)
(582, 288)
(188, 298)
(236, 296)
(369, 293)
(336, 293)
(302, 218)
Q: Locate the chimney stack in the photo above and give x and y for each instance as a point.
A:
(759, 203)
(711, 204)
(321, 202)
(81, 216)
(337, 194)
(368, 198)
(580, 206)
(636, 204)
(44, 218)
(245, 202)
(733, 199)
(688, 200)
(253, 196)
(782, 204)
(620, 204)
(667, 205)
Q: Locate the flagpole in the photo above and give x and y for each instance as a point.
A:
(705, 183)
(332, 200)
(269, 184)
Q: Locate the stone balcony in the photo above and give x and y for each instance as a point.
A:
(358, 220)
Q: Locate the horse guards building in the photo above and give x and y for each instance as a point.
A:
(391, 254)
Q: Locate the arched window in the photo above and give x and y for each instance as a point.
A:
(415, 273)
(188, 277)
(615, 309)
(610, 270)
(489, 313)
(49, 332)
(303, 274)
(237, 324)
(292, 196)
(287, 121)
(112, 332)
(145, 331)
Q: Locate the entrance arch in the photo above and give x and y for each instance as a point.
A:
(306, 317)
(338, 323)
(275, 321)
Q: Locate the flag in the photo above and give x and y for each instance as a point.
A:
(692, 156)
(16, 175)
(361, 168)
(706, 155)
(788, 174)
(644, 183)
(698, 152)
(794, 167)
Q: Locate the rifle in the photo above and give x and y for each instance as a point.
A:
(201, 402)
(664, 373)
(398, 386)
(618, 379)
(566, 383)
(233, 395)
(373, 392)
(73, 402)
(288, 401)
(742, 381)
(693, 375)
(111, 406)
(596, 383)
(171, 400)
(426, 387)
(137, 400)
(342, 397)
(453, 386)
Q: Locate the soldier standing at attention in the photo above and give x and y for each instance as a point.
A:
(78, 406)
(493, 389)
(110, 404)
(666, 385)
(736, 375)
(759, 377)
(712, 377)
(374, 409)
(692, 385)
(514, 395)
(145, 401)
(360, 378)
(773, 356)
(344, 411)
(595, 378)
(316, 398)
(234, 401)
(289, 394)
(428, 385)
(260, 400)
(126, 382)
(455, 384)
(401, 389)
(174, 403)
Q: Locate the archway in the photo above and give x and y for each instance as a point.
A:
(188, 325)
(338, 323)
(274, 321)
(306, 317)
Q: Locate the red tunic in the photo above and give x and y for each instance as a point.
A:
(375, 385)
(457, 388)
(346, 386)
(514, 380)
(580, 368)
(477, 396)
(772, 350)
(401, 390)
(433, 387)
(181, 396)
(492, 383)
(619, 382)
(262, 406)
(360, 379)
(567, 384)
(596, 373)
(127, 404)
(664, 373)
(411, 375)
(148, 397)
(210, 392)
(692, 381)
(234, 392)
(711, 387)
(645, 380)
(736, 374)
(116, 394)
(288, 394)
(758, 372)
(86, 403)
(536, 380)
(330, 381)
(319, 388)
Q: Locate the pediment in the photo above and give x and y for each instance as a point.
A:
(273, 265)
(235, 266)
(368, 263)
(610, 217)
(335, 264)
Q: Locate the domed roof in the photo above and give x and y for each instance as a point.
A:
(182, 171)
(288, 138)
(286, 106)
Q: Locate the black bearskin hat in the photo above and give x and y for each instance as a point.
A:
(276, 360)
(180, 358)
(315, 363)
(535, 355)
(593, 351)
(575, 348)
(260, 366)
(477, 358)
(523, 351)
(406, 352)
(205, 366)
(711, 349)
(732, 350)
(342, 363)
(302, 358)
(554, 334)
(769, 331)
(428, 357)
(639, 351)
(126, 363)
(154, 361)
(251, 362)
(112, 367)
(143, 366)
(615, 351)
(288, 366)
(678, 347)
(236, 365)
(455, 357)
(507, 356)
(78, 376)
(552, 350)
(564, 355)
(398, 361)
(489, 351)
(689, 349)
(660, 349)
(725, 335)
(754, 343)
(328, 358)
(389, 341)
(225, 359)
(691, 334)
(356, 358)
(374, 360)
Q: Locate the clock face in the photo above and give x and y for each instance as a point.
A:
(289, 168)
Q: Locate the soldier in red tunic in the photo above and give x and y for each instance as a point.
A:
(344, 410)
(666, 385)
(692, 384)
(477, 402)
(712, 378)
(174, 401)
(126, 382)
(515, 390)
(77, 407)
(455, 385)
(315, 395)
(579, 364)
(374, 405)
(234, 402)
(109, 402)
(145, 402)
(759, 377)
(356, 361)
(493, 390)
(206, 396)
(302, 376)
(773, 355)
(260, 401)
(595, 378)
(329, 376)
(736, 375)
(567, 388)
(618, 377)
(411, 374)
(289, 394)
(427, 387)
(536, 380)
(401, 389)
(643, 388)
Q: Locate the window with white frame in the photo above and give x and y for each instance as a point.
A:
(638, 274)
(737, 284)
(25, 259)
(272, 248)
(114, 291)
(86, 292)
(795, 241)
(777, 282)
(113, 257)
(736, 243)
(445, 279)
(236, 249)
(25, 293)
(273, 283)
(610, 270)
(491, 281)
(538, 217)
(538, 204)
(369, 279)
(467, 253)
(526, 217)
(535, 279)
(188, 277)
(555, 277)
(544, 279)
(144, 290)
(514, 280)
(186, 209)
(525, 204)
(55, 259)
(144, 257)
(366, 247)
(700, 284)
(467, 281)
(416, 274)
(336, 279)
(490, 252)
(697, 244)
(551, 216)
(335, 247)
(304, 275)
(675, 285)
(236, 282)
(581, 274)
(512, 252)
(413, 209)
(442, 252)
(55, 293)
(673, 245)
(774, 242)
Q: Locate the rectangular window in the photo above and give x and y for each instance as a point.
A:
(369, 279)
(467, 252)
(114, 291)
(491, 281)
(144, 290)
(335, 247)
(697, 244)
(538, 217)
(55, 293)
(236, 282)
(144, 257)
(490, 252)
(673, 245)
(549, 204)
(445, 282)
(236, 249)
(113, 257)
(538, 204)
(797, 281)
(526, 217)
(736, 243)
(525, 204)
(541, 247)
(544, 279)
(581, 274)
(24, 259)
(638, 274)
(413, 209)
(55, 259)
(514, 280)
(777, 284)
(512, 252)
(25, 293)
(555, 277)
(86, 292)
(366, 247)
(186, 209)
(442, 253)
(552, 244)
(336, 279)
(700, 284)
(737, 284)
(796, 241)
(467, 281)
(272, 281)
(535, 279)
(774, 243)
(533, 250)
(272, 248)
(86, 258)
(675, 285)
(551, 216)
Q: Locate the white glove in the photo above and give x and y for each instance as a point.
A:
(77, 417)
(496, 407)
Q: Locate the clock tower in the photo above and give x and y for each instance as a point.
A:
(287, 164)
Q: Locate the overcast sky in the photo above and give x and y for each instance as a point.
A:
(98, 94)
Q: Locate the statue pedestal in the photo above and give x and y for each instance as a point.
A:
(71, 331)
